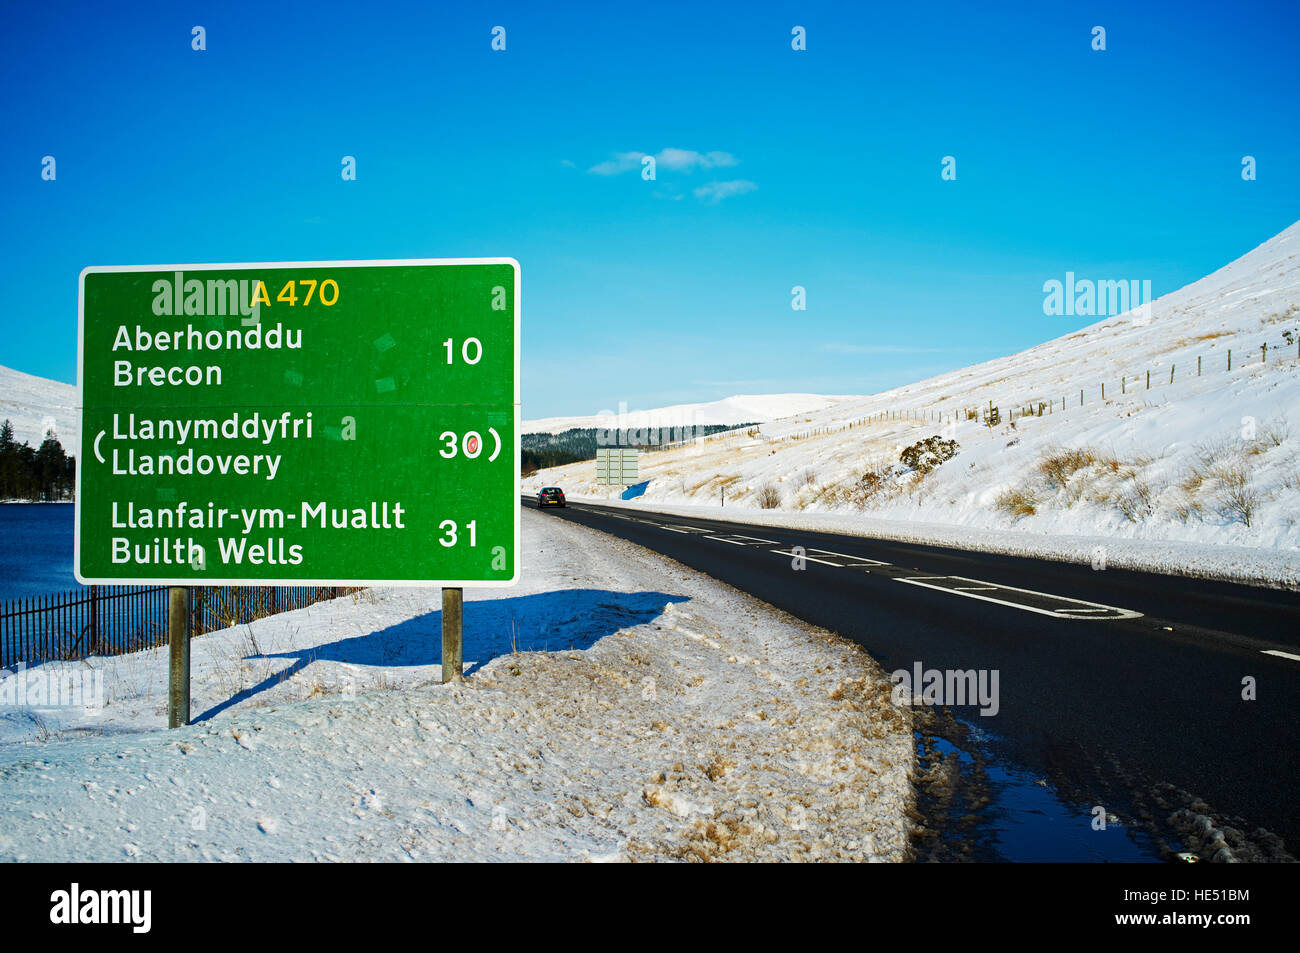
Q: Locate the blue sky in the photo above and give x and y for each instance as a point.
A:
(825, 170)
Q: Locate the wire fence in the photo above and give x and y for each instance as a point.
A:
(1284, 354)
(111, 620)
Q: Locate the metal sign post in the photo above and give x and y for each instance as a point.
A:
(178, 650)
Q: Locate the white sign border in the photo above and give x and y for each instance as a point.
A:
(232, 266)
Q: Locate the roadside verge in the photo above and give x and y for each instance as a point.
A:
(619, 707)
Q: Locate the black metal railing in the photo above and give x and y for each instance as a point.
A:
(110, 620)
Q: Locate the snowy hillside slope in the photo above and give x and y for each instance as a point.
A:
(35, 404)
(738, 409)
(1209, 457)
(619, 706)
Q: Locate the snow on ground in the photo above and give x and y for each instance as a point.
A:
(649, 713)
(34, 405)
(1209, 459)
(738, 409)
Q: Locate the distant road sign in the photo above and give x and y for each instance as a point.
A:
(616, 466)
(282, 423)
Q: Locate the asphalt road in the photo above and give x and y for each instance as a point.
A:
(1120, 688)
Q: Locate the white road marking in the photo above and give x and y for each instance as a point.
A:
(864, 560)
(1294, 658)
(1064, 612)
(1076, 609)
(735, 537)
(858, 562)
(811, 559)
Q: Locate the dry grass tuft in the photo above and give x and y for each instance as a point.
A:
(1017, 502)
(1276, 431)
(1187, 508)
(1137, 501)
(861, 493)
(717, 768)
(1061, 465)
(1237, 498)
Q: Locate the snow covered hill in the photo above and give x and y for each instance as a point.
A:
(1210, 456)
(738, 409)
(36, 404)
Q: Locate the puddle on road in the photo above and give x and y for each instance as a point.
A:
(1025, 821)
(977, 803)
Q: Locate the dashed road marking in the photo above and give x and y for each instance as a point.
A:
(1030, 600)
(736, 539)
(836, 559)
(1280, 654)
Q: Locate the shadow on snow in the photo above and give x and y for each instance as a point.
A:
(545, 621)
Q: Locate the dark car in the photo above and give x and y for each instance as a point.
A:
(550, 496)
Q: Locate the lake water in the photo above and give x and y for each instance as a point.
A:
(35, 549)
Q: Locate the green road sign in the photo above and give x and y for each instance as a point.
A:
(348, 422)
(616, 466)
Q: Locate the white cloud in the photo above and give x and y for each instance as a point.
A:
(675, 160)
(715, 192)
(622, 162)
(687, 160)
